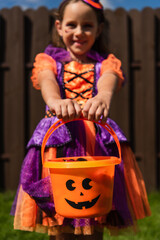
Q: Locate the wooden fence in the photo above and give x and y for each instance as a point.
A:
(134, 38)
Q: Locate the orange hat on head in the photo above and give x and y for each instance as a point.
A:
(94, 3)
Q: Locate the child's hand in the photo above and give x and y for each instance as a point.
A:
(66, 109)
(97, 107)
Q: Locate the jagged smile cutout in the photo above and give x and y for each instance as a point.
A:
(81, 205)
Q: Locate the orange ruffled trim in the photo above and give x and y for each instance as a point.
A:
(42, 62)
(113, 64)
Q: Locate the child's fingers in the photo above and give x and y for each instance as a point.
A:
(71, 111)
(86, 108)
(99, 112)
(74, 110)
(96, 110)
(64, 112)
(92, 112)
(78, 110)
(105, 115)
(58, 111)
(102, 113)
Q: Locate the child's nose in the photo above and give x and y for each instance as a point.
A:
(79, 31)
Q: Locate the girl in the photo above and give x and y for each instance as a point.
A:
(77, 78)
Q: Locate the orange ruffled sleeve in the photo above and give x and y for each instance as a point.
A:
(113, 64)
(42, 62)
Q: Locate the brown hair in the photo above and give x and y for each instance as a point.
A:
(101, 43)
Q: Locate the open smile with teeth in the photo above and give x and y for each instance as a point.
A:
(80, 205)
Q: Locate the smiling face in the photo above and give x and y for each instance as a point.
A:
(70, 184)
(82, 192)
(78, 29)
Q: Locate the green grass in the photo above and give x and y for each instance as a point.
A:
(149, 228)
(6, 222)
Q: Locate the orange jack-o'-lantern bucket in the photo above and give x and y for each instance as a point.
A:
(82, 188)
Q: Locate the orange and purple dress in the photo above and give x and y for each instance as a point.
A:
(34, 204)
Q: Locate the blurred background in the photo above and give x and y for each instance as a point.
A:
(112, 4)
(134, 33)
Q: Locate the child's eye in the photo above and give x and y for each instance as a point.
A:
(71, 25)
(88, 25)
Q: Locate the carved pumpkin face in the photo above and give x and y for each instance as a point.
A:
(70, 185)
(82, 192)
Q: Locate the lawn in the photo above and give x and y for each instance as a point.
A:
(149, 228)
